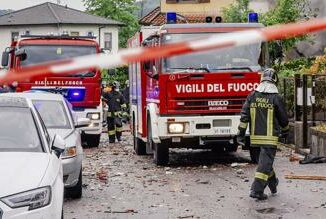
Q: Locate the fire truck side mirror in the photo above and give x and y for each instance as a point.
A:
(155, 73)
(21, 54)
(5, 59)
(147, 66)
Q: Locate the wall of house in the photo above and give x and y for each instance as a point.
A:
(96, 30)
(213, 7)
(260, 6)
(5, 33)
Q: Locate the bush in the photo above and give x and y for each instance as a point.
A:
(118, 74)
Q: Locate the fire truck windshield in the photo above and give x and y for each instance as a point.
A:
(246, 57)
(43, 53)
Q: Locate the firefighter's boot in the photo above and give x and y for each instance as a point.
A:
(111, 129)
(272, 184)
(119, 128)
(112, 136)
(258, 195)
(118, 134)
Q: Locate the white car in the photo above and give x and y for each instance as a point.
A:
(57, 114)
(31, 176)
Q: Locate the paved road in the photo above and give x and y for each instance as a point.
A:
(197, 184)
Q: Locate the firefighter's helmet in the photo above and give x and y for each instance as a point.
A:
(270, 75)
(114, 84)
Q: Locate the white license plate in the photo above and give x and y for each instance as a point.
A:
(223, 131)
(176, 139)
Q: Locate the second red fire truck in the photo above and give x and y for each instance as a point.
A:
(192, 100)
(82, 89)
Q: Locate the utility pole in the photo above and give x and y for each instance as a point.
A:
(142, 9)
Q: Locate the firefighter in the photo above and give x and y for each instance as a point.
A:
(266, 115)
(126, 93)
(116, 103)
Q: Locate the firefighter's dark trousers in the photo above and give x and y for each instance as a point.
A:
(265, 175)
(114, 128)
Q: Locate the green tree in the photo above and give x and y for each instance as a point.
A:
(118, 74)
(285, 11)
(119, 10)
(237, 12)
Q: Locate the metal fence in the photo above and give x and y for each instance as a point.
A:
(305, 99)
(287, 90)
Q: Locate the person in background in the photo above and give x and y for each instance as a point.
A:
(8, 88)
(116, 104)
(126, 96)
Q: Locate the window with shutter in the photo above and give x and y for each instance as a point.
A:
(108, 41)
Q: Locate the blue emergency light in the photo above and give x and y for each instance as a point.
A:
(71, 94)
(75, 95)
(171, 18)
(253, 17)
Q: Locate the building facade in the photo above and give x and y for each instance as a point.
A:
(196, 11)
(209, 7)
(49, 18)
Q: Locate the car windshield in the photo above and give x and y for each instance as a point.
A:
(43, 53)
(53, 114)
(18, 131)
(236, 58)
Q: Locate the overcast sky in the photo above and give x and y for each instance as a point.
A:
(19, 4)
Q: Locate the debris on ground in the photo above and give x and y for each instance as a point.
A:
(102, 175)
(309, 159)
(128, 211)
(295, 157)
(240, 171)
(305, 177)
(235, 165)
(183, 217)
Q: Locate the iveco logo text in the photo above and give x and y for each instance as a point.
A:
(218, 103)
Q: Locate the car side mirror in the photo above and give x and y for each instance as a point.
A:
(58, 145)
(5, 59)
(82, 122)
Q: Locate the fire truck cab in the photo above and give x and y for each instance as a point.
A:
(192, 100)
(82, 89)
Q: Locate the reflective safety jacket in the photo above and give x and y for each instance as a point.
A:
(267, 118)
(115, 102)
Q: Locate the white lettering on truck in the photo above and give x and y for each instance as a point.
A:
(190, 88)
(213, 88)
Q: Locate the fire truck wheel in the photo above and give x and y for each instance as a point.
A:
(254, 154)
(161, 154)
(139, 145)
(91, 140)
(232, 147)
(218, 149)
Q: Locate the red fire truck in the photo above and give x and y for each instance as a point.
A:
(82, 90)
(192, 100)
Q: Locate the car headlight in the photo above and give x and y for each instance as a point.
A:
(33, 199)
(69, 152)
(176, 128)
(93, 116)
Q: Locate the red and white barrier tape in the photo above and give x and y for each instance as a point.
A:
(141, 54)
